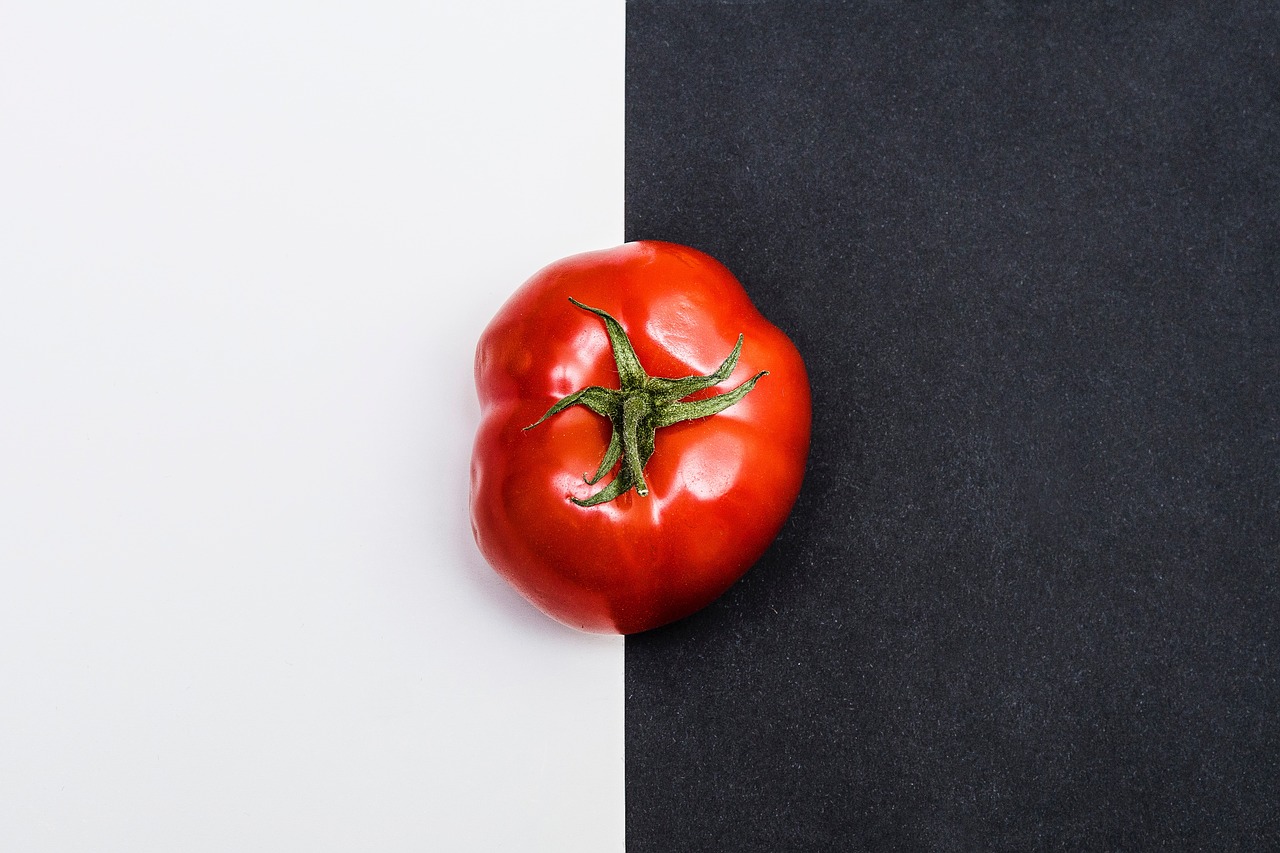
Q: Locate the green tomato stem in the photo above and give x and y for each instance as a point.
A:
(642, 406)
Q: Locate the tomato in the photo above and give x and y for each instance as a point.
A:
(642, 439)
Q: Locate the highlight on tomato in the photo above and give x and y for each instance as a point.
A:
(643, 436)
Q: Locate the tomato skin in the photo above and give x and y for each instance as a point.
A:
(720, 487)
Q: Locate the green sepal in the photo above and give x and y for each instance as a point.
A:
(611, 457)
(597, 399)
(670, 390)
(674, 413)
(640, 407)
(630, 372)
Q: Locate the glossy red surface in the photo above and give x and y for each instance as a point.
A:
(720, 487)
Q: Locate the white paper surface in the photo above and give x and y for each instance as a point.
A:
(246, 250)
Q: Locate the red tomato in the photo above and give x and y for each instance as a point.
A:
(630, 463)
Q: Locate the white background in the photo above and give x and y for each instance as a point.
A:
(246, 249)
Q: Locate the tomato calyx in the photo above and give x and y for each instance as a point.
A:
(640, 407)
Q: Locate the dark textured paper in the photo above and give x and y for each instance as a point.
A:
(1029, 597)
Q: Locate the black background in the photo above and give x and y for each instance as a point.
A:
(1028, 598)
